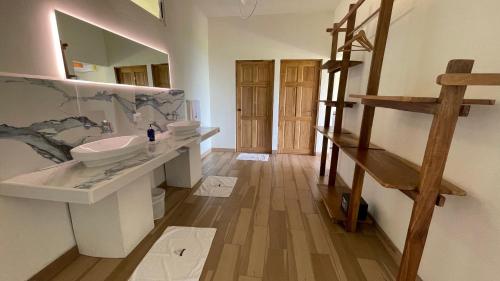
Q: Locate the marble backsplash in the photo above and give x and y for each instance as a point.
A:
(41, 120)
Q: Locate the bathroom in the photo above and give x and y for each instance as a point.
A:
(168, 140)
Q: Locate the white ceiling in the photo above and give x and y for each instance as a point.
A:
(224, 8)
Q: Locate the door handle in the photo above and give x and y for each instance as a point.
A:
(239, 109)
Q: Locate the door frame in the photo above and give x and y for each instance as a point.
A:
(314, 138)
(272, 76)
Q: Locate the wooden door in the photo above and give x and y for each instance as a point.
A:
(254, 105)
(132, 75)
(161, 75)
(299, 92)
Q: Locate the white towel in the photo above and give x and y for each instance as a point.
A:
(178, 255)
(215, 186)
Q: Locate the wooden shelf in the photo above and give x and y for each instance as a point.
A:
(334, 103)
(345, 139)
(427, 105)
(392, 171)
(332, 199)
(335, 65)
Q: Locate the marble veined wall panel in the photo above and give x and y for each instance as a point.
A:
(161, 108)
(41, 120)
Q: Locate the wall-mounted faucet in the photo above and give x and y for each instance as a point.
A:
(106, 127)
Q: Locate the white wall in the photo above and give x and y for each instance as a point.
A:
(271, 37)
(464, 239)
(33, 233)
(187, 34)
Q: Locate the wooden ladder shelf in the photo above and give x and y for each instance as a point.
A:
(424, 183)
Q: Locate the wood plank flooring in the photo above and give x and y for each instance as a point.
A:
(273, 228)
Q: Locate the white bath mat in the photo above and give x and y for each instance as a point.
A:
(215, 186)
(253, 157)
(179, 255)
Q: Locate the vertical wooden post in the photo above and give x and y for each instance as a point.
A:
(329, 96)
(381, 35)
(431, 173)
(339, 109)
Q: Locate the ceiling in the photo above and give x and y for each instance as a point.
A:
(224, 8)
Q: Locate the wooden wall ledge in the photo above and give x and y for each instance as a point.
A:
(391, 171)
(333, 103)
(469, 79)
(427, 105)
(345, 139)
(336, 65)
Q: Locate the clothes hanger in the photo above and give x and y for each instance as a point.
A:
(365, 44)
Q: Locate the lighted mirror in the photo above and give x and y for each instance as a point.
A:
(94, 54)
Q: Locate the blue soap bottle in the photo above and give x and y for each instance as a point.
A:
(151, 133)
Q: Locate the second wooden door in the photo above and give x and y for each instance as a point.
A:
(161, 75)
(254, 105)
(132, 75)
(299, 91)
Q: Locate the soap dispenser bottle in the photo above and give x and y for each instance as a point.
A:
(151, 133)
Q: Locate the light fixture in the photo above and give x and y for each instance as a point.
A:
(247, 8)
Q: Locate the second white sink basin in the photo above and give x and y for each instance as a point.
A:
(110, 150)
(183, 126)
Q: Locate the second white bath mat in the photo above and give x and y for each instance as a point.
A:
(179, 255)
(253, 157)
(215, 186)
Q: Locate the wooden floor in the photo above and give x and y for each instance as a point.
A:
(273, 227)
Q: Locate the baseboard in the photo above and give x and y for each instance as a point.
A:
(387, 242)
(394, 252)
(55, 267)
(205, 154)
(218, 149)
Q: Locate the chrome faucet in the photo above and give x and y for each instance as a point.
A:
(106, 127)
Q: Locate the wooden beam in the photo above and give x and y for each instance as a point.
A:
(384, 21)
(434, 162)
(368, 19)
(330, 30)
(473, 79)
(328, 110)
(352, 9)
(339, 109)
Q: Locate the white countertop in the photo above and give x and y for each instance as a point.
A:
(75, 183)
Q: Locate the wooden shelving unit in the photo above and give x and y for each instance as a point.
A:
(424, 183)
(336, 65)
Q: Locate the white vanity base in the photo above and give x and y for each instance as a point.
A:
(185, 169)
(114, 226)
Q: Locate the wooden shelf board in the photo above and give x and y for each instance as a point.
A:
(336, 65)
(392, 171)
(421, 99)
(332, 199)
(334, 103)
(417, 104)
(345, 139)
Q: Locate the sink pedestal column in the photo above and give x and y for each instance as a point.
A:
(114, 226)
(185, 169)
